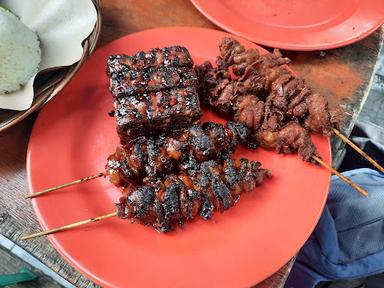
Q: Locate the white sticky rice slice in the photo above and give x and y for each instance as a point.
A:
(20, 53)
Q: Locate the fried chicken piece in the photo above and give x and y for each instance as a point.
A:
(299, 111)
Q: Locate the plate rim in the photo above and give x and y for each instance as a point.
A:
(284, 45)
(52, 238)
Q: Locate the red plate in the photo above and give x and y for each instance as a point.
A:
(72, 138)
(296, 24)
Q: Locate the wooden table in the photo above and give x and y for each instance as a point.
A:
(343, 75)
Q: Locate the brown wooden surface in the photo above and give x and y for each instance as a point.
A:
(11, 264)
(343, 75)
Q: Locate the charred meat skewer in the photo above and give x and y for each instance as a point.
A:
(163, 203)
(181, 150)
(153, 92)
(266, 97)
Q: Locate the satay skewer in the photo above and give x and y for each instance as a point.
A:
(165, 203)
(341, 176)
(358, 150)
(78, 181)
(233, 54)
(85, 179)
(171, 151)
(69, 226)
(113, 214)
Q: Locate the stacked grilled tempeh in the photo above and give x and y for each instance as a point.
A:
(153, 91)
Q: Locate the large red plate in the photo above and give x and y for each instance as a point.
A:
(296, 24)
(72, 137)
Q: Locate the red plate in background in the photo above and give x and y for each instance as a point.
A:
(296, 24)
(72, 137)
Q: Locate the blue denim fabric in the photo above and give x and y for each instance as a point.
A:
(348, 241)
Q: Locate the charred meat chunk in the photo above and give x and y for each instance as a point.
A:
(183, 150)
(165, 202)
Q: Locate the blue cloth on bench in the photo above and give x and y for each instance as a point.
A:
(348, 241)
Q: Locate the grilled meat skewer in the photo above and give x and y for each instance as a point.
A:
(180, 151)
(163, 203)
(266, 97)
(279, 88)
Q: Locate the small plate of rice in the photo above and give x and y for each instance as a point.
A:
(43, 43)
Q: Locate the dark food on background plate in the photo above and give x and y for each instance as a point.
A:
(165, 202)
(179, 151)
(153, 91)
(278, 107)
(169, 167)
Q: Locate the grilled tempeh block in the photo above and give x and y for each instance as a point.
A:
(157, 57)
(153, 79)
(153, 92)
(155, 112)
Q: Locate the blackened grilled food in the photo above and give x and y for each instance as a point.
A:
(278, 107)
(133, 82)
(157, 57)
(164, 203)
(153, 91)
(179, 151)
(156, 112)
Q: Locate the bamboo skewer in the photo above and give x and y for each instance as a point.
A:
(318, 160)
(110, 215)
(358, 150)
(82, 180)
(88, 178)
(341, 176)
(69, 226)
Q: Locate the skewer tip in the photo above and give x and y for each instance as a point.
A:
(341, 176)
